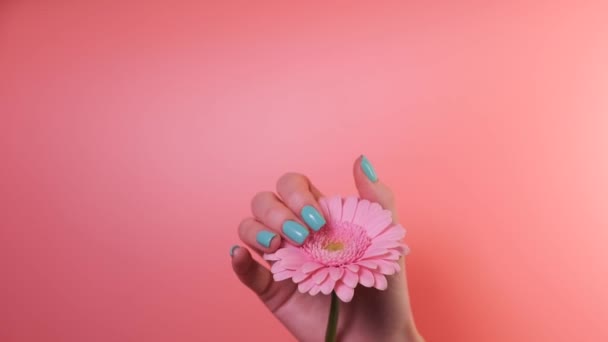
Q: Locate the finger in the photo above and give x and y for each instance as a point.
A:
(301, 197)
(315, 191)
(259, 279)
(272, 213)
(250, 272)
(370, 187)
(258, 237)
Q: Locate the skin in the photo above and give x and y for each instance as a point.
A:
(372, 315)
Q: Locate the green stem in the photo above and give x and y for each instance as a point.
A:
(332, 321)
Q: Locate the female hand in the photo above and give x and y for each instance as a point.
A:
(372, 315)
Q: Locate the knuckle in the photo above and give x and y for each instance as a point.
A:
(261, 197)
(274, 214)
(289, 178)
(244, 225)
(296, 200)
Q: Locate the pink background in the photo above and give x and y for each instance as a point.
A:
(133, 134)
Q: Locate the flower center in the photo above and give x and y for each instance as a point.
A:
(334, 246)
(338, 243)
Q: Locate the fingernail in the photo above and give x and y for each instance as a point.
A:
(295, 231)
(264, 238)
(233, 248)
(312, 217)
(368, 169)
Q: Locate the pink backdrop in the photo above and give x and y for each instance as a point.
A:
(132, 136)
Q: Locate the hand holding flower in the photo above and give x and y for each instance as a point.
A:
(322, 245)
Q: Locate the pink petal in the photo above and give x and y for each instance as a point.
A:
(367, 263)
(271, 257)
(324, 206)
(306, 285)
(395, 232)
(374, 208)
(380, 281)
(404, 250)
(282, 252)
(353, 267)
(277, 267)
(348, 209)
(336, 272)
(350, 278)
(374, 253)
(386, 267)
(310, 266)
(366, 277)
(287, 252)
(378, 223)
(335, 208)
(344, 292)
(299, 276)
(292, 263)
(385, 243)
(283, 275)
(393, 255)
(361, 213)
(298, 257)
(320, 275)
(397, 267)
(314, 290)
(327, 286)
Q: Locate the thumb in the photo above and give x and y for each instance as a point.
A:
(250, 272)
(370, 187)
(259, 279)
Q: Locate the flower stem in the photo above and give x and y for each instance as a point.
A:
(332, 321)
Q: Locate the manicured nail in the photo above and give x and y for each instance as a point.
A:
(312, 217)
(368, 169)
(295, 231)
(233, 248)
(264, 238)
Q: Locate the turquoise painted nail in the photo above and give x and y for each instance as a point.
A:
(312, 217)
(295, 231)
(264, 238)
(233, 248)
(368, 169)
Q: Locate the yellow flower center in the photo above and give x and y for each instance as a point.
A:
(334, 246)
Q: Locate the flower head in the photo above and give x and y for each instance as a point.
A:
(358, 245)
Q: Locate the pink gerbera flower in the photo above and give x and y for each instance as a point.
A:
(358, 245)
